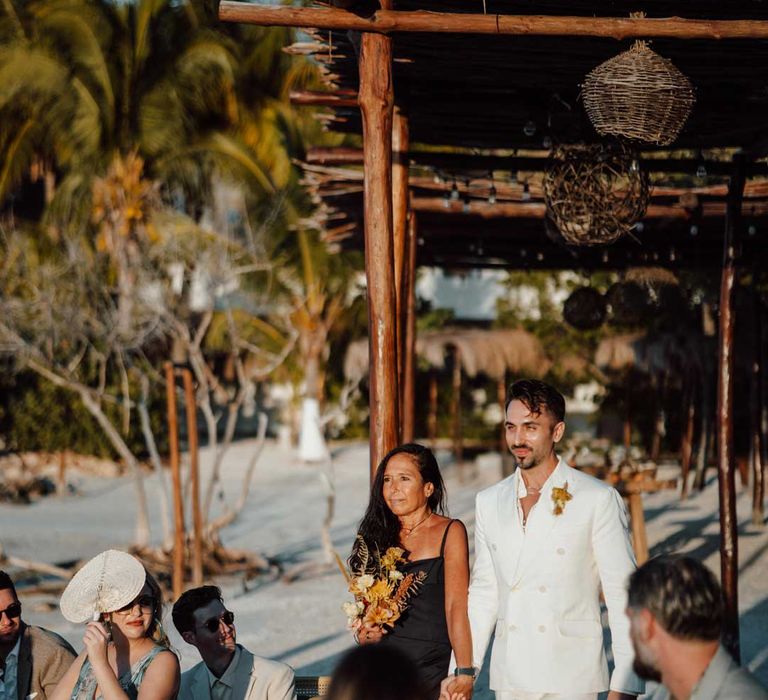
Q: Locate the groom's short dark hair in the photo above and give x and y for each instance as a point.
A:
(536, 395)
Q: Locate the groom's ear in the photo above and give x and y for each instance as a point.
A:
(558, 432)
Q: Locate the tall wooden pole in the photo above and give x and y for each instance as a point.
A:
(194, 477)
(756, 409)
(458, 446)
(400, 234)
(686, 447)
(179, 534)
(729, 558)
(432, 416)
(409, 353)
(376, 101)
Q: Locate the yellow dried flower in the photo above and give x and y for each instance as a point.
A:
(560, 497)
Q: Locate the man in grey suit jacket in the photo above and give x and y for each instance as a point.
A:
(676, 616)
(227, 670)
(32, 659)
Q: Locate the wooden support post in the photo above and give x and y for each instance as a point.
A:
(376, 100)
(756, 385)
(400, 234)
(686, 448)
(194, 477)
(458, 447)
(432, 417)
(729, 559)
(637, 521)
(409, 353)
(179, 535)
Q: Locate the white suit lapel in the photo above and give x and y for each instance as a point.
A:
(541, 525)
(510, 529)
(245, 676)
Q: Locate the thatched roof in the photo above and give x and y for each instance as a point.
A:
(489, 352)
(654, 355)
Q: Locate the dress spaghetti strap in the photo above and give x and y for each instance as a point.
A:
(445, 536)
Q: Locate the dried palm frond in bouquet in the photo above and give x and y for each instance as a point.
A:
(380, 588)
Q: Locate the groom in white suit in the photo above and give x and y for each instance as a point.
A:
(548, 540)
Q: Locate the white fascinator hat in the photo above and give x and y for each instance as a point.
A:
(106, 583)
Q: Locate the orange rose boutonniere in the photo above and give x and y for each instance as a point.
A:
(560, 497)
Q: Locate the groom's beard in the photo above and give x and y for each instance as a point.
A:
(529, 461)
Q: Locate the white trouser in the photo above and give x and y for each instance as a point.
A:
(528, 695)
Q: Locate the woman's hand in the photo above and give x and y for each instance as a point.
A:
(370, 634)
(96, 640)
(456, 688)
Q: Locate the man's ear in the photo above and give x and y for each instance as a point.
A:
(558, 432)
(647, 625)
(189, 638)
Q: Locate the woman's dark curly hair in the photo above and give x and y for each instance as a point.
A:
(380, 527)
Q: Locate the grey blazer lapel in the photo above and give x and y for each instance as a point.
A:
(200, 688)
(24, 669)
(245, 676)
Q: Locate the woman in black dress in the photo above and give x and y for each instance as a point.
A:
(406, 510)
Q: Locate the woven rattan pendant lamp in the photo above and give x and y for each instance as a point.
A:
(638, 95)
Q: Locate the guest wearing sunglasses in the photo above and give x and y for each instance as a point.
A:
(127, 654)
(32, 659)
(227, 671)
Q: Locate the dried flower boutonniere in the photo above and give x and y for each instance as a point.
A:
(560, 497)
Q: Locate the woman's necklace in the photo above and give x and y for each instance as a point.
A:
(408, 530)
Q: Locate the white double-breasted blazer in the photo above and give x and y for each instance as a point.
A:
(539, 588)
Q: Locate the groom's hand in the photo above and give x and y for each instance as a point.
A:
(456, 688)
(617, 695)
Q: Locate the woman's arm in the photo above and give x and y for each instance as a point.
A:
(65, 686)
(161, 681)
(456, 558)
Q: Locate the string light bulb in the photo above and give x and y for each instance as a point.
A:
(530, 128)
(526, 196)
(455, 191)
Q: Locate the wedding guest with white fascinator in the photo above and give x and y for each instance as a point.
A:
(127, 654)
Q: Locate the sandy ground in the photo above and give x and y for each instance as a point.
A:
(301, 623)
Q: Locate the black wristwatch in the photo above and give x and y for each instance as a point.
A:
(470, 671)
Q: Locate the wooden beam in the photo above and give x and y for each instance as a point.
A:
(729, 559)
(345, 155)
(385, 21)
(376, 104)
(316, 98)
(519, 210)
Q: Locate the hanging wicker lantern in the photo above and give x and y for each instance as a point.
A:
(585, 309)
(638, 95)
(596, 193)
(628, 304)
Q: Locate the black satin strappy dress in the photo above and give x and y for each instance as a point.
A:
(422, 631)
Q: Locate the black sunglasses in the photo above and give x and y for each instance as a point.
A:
(12, 611)
(145, 602)
(212, 625)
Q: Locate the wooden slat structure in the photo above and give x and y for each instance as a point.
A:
(487, 89)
